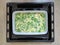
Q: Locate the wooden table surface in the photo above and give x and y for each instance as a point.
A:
(3, 26)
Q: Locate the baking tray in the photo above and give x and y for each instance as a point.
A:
(11, 7)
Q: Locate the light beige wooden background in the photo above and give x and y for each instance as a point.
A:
(3, 26)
